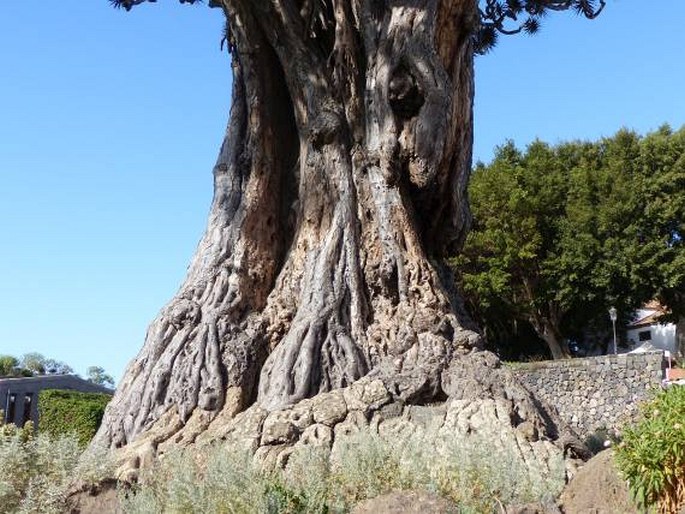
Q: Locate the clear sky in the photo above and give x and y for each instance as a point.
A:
(110, 123)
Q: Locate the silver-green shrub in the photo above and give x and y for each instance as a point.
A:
(217, 480)
(37, 470)
(476, 476)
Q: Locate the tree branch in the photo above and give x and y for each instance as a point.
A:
(504, 17)
(129, 4)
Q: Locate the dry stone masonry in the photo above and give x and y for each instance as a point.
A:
(596, 392)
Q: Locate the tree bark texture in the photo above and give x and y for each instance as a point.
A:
(340, 185)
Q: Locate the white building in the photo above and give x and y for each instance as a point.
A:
(645, 329)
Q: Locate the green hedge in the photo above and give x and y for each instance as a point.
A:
(62, 412)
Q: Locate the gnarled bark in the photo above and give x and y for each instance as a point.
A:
(338, 189)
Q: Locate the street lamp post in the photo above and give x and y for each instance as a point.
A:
(613, 316)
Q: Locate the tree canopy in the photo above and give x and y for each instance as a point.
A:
(36, 364)
(563, 232)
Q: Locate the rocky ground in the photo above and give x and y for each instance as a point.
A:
(486, 407)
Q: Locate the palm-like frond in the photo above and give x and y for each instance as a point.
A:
(502, 16)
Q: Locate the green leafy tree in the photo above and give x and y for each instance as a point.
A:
(38, 364)
(560, 233)
(662, 160)
(34, 362)
(97, 375)
(9, 366)
(55, 367)
(510, 261)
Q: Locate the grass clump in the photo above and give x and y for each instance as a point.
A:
(218, 480)
(36, 470)
(652, 454)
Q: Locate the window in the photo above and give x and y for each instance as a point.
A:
(28, 404)
(645, 335)
(11, 407)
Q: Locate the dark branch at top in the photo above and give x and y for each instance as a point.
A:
(514, 16)
(128, 4)
(496, 16)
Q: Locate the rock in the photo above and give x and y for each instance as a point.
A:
(597, 488)
(406, 502)
(329, 408)
(528, 430)
(278, 431)
(366, 395)
(274, 457)
(354, 422)
(427, 416)
(317, 435)
(96, 499)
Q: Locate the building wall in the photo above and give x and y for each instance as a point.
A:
(30, 387)
(663, 336)
(595, 392)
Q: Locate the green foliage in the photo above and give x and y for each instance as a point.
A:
(34, 362)
(63, 412)
(562, 232)
(38, 364)
(35, 471)
(652, 454)
(8, 366)
(97, 375)
(515, 16)
(475, 475)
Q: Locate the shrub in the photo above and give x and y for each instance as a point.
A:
(35, 471)
(475, 476)
(63, 412)
(652, 454)
(216, 480)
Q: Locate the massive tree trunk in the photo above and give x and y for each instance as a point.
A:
(339, 187)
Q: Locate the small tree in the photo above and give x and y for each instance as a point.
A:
(97, 375)
(34, 362)
(38, 364)
(8, 366)
(55, 367)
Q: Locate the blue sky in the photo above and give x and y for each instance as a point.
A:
(110, 123)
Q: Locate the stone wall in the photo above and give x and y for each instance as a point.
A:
(595, 392)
